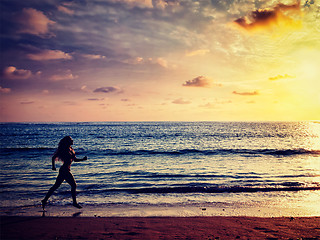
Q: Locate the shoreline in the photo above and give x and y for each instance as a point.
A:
(155, 211)
(165, 210)
(17, 227)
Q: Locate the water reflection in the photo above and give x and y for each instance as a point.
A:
(314, 133)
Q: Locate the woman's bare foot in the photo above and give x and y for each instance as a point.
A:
(77, 205)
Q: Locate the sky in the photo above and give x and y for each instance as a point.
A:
(159, 60)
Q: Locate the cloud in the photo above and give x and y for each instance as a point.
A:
(162, 62)
(162, 4)
(158, 4)
(208, 105)
(134, 61)
(64, 76)
(199, 52)
(95, 99)
(27, 102)
(34, 22)
(135, 3)
(200, 81)
(66, 10)
(71, 103)
(131, 105)
(108, 90)
(181, 101)
(254, 93)
(13, 73)
(93, 56)
(156, 61)
(47, 54)
(4, 90)
(279, 77)
(216, 103)
(238, 7)
(280, 15)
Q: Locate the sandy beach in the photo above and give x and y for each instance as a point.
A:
(159, 228)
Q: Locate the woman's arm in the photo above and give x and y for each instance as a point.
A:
(54, 162)
(80, 160)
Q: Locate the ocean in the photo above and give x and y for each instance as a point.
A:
(165, 168)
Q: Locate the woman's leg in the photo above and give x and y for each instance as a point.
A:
(70, 179)
(57, 184)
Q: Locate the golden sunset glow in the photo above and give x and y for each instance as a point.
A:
(121, 60)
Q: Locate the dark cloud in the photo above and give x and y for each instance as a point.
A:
(254, 93)
(108, 90)
(264, 18)
(200, 81)
(309, 3)
(258, 17)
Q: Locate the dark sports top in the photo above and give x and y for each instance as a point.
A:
(67, 156)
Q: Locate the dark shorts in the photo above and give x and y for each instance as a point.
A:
(65, 174)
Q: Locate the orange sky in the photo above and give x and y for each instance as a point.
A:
(143, 60)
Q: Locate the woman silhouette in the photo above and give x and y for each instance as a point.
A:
(67, 155)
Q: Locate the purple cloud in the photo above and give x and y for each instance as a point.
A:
(108, 90)
(200, 81)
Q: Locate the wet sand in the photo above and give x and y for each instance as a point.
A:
(17, 227)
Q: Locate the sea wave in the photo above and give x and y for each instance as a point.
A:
(26, 150)
(213, 189)
(250, 175)
(116, 152)
(274, 152)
